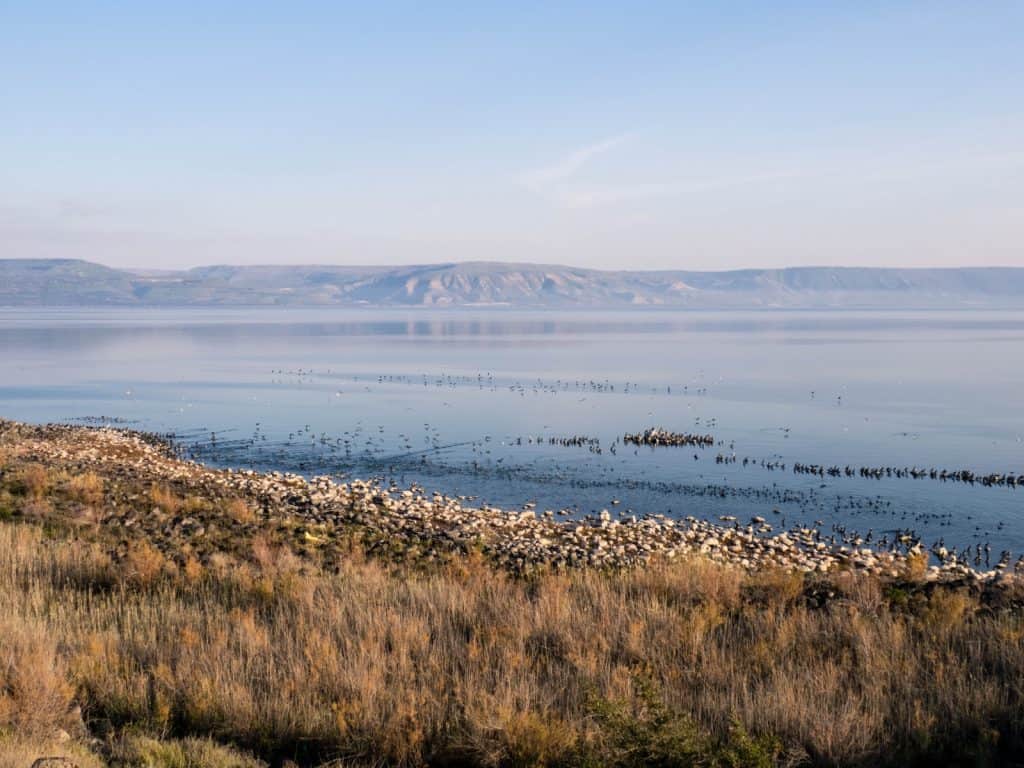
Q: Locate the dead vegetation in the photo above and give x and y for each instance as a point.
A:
(243, 649)
(86, 488)
(687, 664)
(164, 499)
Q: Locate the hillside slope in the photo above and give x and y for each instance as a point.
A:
(67, 282)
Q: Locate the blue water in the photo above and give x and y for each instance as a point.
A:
(441, 398)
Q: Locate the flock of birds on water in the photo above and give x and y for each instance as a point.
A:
(372, 451)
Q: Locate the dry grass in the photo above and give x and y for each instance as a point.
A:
(194, 504)
(143, 564)
(130, 750)
(240, 511)
(86, 488)
(35, 693)
(692, 663)
(140, 750)
(34, 481)
(164, 498)
(36, 509)
(188, 647)
(20, 752)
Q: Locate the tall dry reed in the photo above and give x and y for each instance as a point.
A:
(466, 665)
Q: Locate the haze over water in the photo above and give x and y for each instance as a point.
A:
(451, 399)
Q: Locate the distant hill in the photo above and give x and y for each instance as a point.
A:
(69, 282)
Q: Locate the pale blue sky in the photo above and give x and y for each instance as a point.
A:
(647, 135)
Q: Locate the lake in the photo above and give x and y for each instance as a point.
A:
(467, 402)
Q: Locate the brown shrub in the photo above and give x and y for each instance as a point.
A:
(144, 563)
(916, 567)
(536, 739)
(240, 511)
(775, 586)
(36, 508)
(35, 695)
(86, 516)
(162, 497)
(194, 504)
(86, 488)
(192, 570)
(862, 589)
(948, 608)
(34, 481)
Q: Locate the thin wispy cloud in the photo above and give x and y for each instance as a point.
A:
(593, 195)
(565, 168)
(563, 185)
(560, 185)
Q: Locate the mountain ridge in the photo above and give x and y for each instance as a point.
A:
(73, 282)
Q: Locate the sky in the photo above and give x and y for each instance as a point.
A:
(646, 135)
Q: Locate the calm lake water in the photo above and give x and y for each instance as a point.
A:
(451, 399)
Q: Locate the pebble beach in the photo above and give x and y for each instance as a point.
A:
(320, 513)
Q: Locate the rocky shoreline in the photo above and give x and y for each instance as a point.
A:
(320, 515)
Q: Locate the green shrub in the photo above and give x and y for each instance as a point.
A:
(136, 751)
(644, 731)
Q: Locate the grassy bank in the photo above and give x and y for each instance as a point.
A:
(252, 648)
